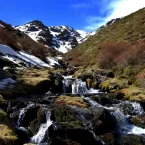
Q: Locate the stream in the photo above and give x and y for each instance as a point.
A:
(35, 119)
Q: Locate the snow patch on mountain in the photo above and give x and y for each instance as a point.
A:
(19, 57)
(62, 38)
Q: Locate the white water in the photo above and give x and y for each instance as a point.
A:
(76, 86)
(121, 120)
(79, 87)
(22, 113)
(38, 138)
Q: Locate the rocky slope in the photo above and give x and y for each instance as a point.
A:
(62, 38)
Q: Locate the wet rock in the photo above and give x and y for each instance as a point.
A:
(103, 121)
(37, 121)
(131, 140)
(29, 115)
(23, 135)
(84, 112)
(139, 120)
(82, 136)
(62, 113)
(108, 138)
(58, 141)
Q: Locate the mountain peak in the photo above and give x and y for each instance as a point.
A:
(62, 38)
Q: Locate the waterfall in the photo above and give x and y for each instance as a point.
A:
(38, 138)
(67, 85)
(22, 113)
(79, 87)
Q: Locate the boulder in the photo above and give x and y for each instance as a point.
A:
(103, 121)
(68, 100)
(131, 140)
(139, 120)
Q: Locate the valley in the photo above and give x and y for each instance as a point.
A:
(61, 86)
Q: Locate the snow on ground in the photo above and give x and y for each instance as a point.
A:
(52, 61)
(34, 35)
(7, 83)
(2, 26)
(18, 57)
(83, 35)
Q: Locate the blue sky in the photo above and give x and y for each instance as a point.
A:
(80, 14)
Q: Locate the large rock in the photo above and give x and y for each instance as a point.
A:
(139, 120)
(68, 100)
(131, 140)
(103, 121)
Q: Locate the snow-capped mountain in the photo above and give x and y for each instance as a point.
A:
(62, 38)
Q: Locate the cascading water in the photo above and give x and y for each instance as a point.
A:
(121, 120)
(38, 138)
(76, 87)
(22, 113)
(67, 85)
(79, 87)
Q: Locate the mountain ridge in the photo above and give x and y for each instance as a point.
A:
(62, 38)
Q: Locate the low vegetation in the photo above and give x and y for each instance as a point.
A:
(67, 100)
(128, 29)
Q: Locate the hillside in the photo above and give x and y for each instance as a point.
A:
(128, 29)
(18, 49)
(61, 38)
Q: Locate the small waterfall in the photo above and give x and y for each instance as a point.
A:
(22, 114)
(38, 138)
(76, 86)
(92, 103)
(88, 125)
(79, 87)
(67, 85)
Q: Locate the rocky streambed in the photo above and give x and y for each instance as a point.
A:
(79, 116)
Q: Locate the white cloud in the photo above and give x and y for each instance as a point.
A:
(85, 4)
(81, 5)
(117, 9)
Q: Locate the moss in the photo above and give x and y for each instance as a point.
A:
(133, 93)
(62, 113)
(67, 100)
(73, 124)
(113, 84)
(7, 135)
(2, 101)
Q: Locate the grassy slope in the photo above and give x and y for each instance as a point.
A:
(128, 29)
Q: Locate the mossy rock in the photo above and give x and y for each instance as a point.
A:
(139, 121)
(2, 101)
(72, 125)
(75, 101)
(108, 138)
(113, 84)
(34, 126)
(133, 93)
(7, 135)
(131, 140)
(62, 113)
